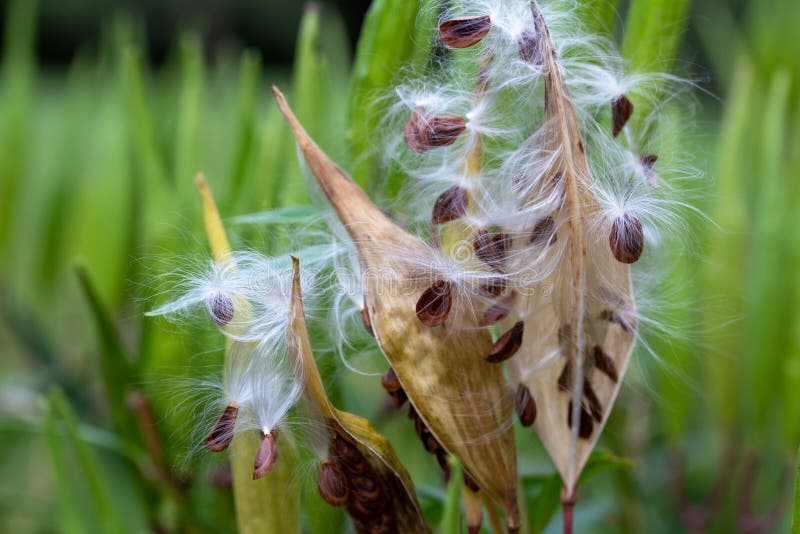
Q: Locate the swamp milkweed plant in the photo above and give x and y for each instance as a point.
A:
(503, 284)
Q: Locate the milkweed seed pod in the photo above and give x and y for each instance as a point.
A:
(361, 470)
(462, 399)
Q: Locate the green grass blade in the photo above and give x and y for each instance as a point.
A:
(387, 43)
(189, 102)
(249, 81)
(796, 513)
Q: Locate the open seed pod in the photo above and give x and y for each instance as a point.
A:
(463, 400)
(579, 329)
(377, 491)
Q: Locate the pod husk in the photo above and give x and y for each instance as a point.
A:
(463, 400)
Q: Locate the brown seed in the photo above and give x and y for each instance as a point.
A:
(595, 407)
(366, 319)
(605, 363)
(566, 379)
(508, 344)
(471, 484)
(648, 162)
(492, 287)
(529, 49)
(498, 312)
(626, 239)
(424, 132)
(621, 111)
(450, 205)
(544, 232)
(390, 382)
(564, 335)
(220, 307)
(463, 32)
(433, 306)
(332, 483)
(618, 319)
(221, 433)
(525, 405)
(492, 248)
(344, 451)
(586, 427)
(266, 457)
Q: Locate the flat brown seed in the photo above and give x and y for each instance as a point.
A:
(566, 378)
(544, 232)
(390, 382)
(529, 49)
(508, 344)
(626, 239)
(605, 363)
(498, 312)
(433, 306)
(451, 205)
(629, 325)
(492, 248)
(621, 111)
(648, 163)
(586, 426)
(492, 287)
(220, 307)
(221, 433)
(366, 319)
(595, 407)
(267, 456)
(463, 32)
(471, 484)
(424, 132)
(332, 483)
(525, 405)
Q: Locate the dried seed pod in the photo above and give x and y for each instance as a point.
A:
(220, 308)
(626, 239)
(332, 483)
(451, 205)
(508, 344)
(497, 312)
(456, 408)
(463, 32)
(267, 456)
(604, 363)
(525, 405)
(433, 306)
(470, 483)
(425, 132)
(621, 111)
(544, 232)
(492, 248)
(221, 433)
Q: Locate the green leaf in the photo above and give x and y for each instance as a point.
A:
(188, 104)
(279, 216)
(249, 79)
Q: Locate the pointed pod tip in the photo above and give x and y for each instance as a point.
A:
(266, 457)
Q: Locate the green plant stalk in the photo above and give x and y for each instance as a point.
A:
(796, 513)
(451, 523)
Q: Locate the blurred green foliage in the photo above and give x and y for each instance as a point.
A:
(96, 202)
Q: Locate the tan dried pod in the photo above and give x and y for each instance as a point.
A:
(583, 311)
(360, 438)
(462, 399)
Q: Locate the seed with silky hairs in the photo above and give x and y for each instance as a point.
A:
(267, 456)
(498, 312)
(332, 483)
(544, 232)
(621, 111)
(463, 32)
(433, 306)
(529, 49)
(451, 205)
(626, 239)
(424, 132)
(508, 344)
(221, 433)
(648, 162)
(525, 405)
(491, 248)
(220, 307)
